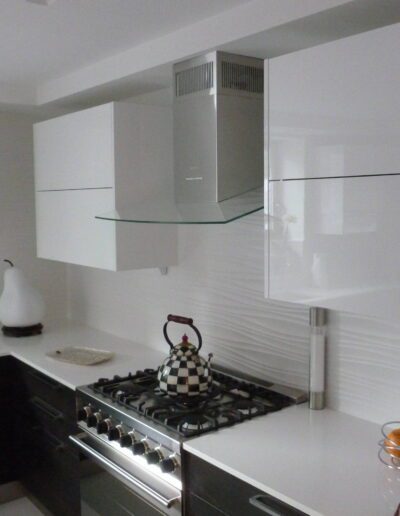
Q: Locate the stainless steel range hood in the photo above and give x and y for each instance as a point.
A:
(218, 144)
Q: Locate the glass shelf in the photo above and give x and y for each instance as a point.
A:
(169, 212)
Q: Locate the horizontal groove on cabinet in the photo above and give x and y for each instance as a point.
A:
(332, 177)
(74, 189)
(40, 386)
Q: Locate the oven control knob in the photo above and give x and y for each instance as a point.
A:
(154, 457)
(114, 433)
(126, 440)
(102, 427)
(168, 465)
(139, 448)
(83, 413)
(91, 421)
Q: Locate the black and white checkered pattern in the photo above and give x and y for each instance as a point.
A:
(184, 373)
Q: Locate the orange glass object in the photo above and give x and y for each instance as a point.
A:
(393, 439)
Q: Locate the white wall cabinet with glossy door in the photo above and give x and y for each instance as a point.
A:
(333, 195)
(334, 108)
(93, 162)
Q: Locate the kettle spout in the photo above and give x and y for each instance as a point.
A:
(210, 355)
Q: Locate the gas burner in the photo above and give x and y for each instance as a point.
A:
(214, 392)
(194, 423)
(247, 408)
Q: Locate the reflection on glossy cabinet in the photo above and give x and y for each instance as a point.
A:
(96, 161)
(335, 108)
(335, 243)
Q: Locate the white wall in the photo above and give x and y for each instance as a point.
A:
(17, 214)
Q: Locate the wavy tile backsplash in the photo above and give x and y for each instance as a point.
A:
(364, 366)
(220, 282)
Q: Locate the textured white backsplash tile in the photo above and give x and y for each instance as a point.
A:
(219, 281)
(364, 367)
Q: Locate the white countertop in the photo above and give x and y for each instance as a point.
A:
(321, 462)
(32, 350)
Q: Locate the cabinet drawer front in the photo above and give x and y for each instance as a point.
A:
(335, 243)
(226, 493)
(67, 230)
(75, 150)
(56, 422)
(334, 109)
(58, 400)
(51, 472)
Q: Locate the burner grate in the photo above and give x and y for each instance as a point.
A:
(229, 401)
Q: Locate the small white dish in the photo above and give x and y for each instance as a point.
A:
(81, 356)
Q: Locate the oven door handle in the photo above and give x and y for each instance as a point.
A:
(120, 473)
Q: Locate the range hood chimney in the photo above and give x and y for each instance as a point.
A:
(218, 127)
(218, 143)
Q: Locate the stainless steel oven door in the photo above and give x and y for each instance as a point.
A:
(119, 488)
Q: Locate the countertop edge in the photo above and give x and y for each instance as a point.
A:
(47, 372)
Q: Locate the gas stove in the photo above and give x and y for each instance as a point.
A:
(129, 422)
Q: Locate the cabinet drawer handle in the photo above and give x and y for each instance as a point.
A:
(49, 382)
(46, 409)
(58, 445)
(257, 502)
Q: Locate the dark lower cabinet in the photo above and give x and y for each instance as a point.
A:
(48, 463)
(8, 396)
(51, 474)
(38, 415)
(210, 491)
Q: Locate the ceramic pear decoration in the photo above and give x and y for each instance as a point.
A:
(21, 305)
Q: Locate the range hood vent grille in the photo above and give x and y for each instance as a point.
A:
(242, 77)
(194, 79)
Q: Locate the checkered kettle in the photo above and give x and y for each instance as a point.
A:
(184, 373)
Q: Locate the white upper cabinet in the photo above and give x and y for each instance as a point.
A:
(335, 108)
(75, 150)
(333, 177)
(97, 161)
(335, 243)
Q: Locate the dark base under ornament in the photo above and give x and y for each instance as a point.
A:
(22, 331)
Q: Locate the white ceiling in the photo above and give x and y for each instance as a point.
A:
(38, 42)
(73, 53)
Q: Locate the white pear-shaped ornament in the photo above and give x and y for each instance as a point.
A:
(21, 305)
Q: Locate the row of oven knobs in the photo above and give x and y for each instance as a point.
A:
(114, 433)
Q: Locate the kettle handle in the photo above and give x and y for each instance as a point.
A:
(181, 320)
